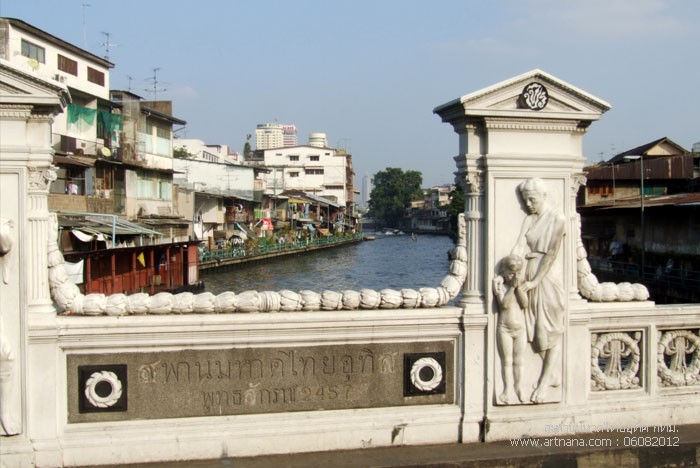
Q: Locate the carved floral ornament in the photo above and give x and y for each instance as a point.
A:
(682, 349)
(621, 355)
(39, 178)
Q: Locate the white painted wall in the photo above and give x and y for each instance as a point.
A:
(293, 169)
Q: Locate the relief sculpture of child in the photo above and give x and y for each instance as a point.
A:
(511, 335)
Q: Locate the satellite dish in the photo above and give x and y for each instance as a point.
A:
(33, 63)
(106, 152)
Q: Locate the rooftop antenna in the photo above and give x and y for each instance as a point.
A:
(227, 177)
(84, 28)
(107, 44)
(154, 81)
(130, 79)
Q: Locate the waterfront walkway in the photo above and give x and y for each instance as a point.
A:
(217, 258)
(604, 449)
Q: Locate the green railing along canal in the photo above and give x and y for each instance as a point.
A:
(261, 250)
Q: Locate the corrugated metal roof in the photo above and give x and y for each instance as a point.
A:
(643, 149)
(680, 199)
(655, 168)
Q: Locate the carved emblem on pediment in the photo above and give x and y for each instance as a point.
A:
(534, 97)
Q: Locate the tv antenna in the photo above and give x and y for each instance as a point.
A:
(130, 79)
(85, 5)
(107, 44)
(154, 81)
(344, 143)
(228, 177)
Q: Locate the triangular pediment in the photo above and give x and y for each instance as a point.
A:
(19, 87)
(534, 94)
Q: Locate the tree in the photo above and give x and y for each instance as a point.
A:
(247, 153)
(455, 207)
(182, 153)
(393, 192)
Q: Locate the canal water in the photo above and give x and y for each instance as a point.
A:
(393, 262)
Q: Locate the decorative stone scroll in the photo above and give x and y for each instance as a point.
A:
(593, 290)
(678, 358)
(70, 300)
(620, 355)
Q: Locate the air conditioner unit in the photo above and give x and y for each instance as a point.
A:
(60, 78)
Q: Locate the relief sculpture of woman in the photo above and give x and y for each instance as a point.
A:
(539, 242)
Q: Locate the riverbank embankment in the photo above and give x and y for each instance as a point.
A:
(221, 258)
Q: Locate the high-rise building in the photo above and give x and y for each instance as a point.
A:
(269, 135)
(289, 135)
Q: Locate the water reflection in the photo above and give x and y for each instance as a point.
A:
(393, 262)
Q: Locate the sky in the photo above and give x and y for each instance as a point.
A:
(369, 73)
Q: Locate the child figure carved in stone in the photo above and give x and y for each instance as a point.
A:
(511, 335)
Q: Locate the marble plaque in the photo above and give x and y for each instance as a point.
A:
(211, 382)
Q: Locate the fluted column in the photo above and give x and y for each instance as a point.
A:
(38, 294)
(574, 241)
(473, 289)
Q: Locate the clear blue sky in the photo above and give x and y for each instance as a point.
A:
(369, 72)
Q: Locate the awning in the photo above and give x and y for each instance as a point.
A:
(89, 224)
(297, 200)
(70, 161)
(88, 235)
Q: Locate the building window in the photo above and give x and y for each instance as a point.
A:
(96, 76)
(314, 171)
(153, 185)
(67, 65)
(33, 51)
(294, 158)
(334, 187)
(293, 174)
(314, 158)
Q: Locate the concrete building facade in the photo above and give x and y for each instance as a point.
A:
(318, 170)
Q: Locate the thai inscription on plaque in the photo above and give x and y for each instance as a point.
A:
(206, 382)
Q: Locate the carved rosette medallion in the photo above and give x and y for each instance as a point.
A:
(103, 389)
(534, 97)
(678, 358)
(620, 356)
(426, 374)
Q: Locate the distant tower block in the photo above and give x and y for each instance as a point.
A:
(318, 140)
(289, 135)
(268, 135)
